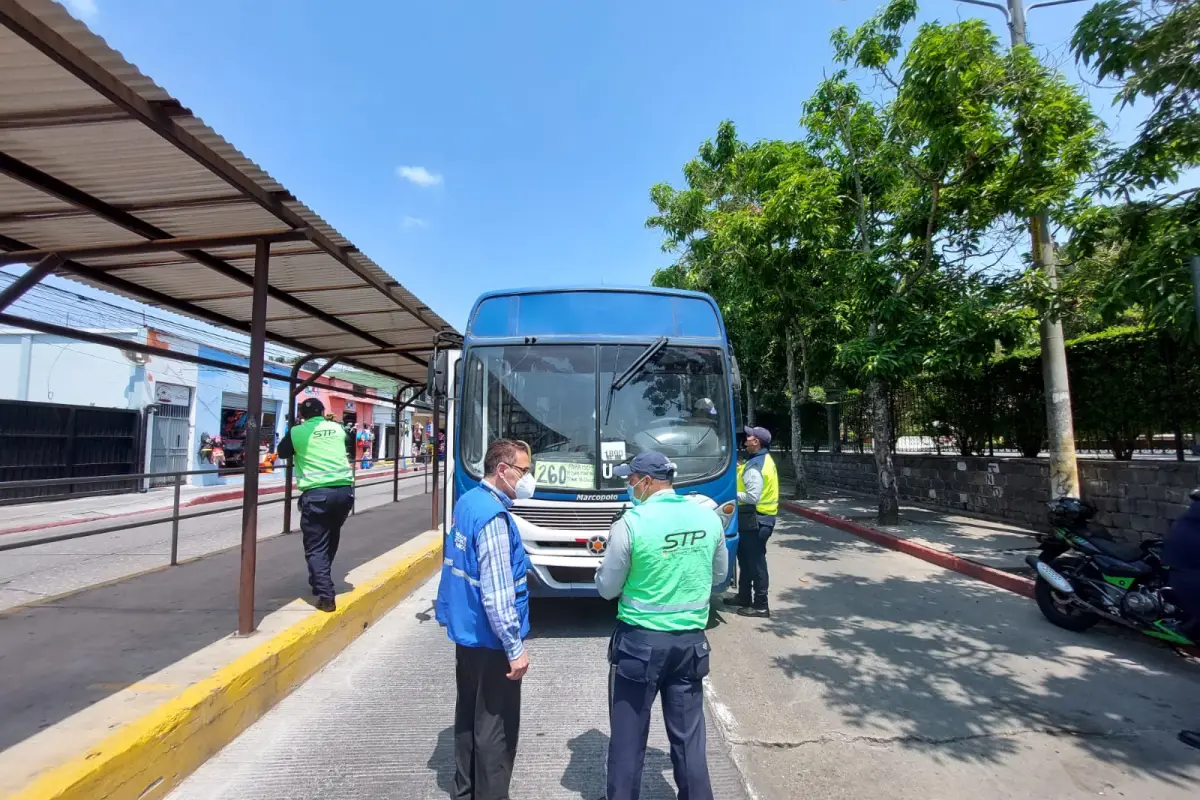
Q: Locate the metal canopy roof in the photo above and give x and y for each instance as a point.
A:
(94, 154)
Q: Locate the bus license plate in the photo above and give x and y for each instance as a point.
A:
(565, 475)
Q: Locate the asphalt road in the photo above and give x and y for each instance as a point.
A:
(34, 573)
(879, 676)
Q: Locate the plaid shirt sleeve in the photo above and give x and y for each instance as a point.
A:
(496, 584)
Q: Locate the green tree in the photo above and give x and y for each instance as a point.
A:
(1134, 253)
(969, 139)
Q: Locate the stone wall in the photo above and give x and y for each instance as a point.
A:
(1134, 500)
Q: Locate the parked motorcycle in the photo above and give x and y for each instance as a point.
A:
(1083, 578)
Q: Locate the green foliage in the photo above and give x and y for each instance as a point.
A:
(1134, 255)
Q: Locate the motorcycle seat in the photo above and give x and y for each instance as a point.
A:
(1118, 550)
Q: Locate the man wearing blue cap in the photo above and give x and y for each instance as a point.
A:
(758, 505)
(664, 555)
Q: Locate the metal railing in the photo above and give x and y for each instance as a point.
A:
(175, 517)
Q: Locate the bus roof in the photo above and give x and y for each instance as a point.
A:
(675, 312)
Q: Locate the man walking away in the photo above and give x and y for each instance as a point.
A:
(483, 601)
(318, 448)
(758, 504)
(664, 556)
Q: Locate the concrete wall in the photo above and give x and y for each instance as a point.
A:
(1134, 500)
(52, 369)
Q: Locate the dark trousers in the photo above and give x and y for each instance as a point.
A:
(753, 580)
(643, 664)
(1186, 586)
(487, 722)
(323, 511)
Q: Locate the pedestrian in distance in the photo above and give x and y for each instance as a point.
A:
(483, 601)
(664, 556)
(317, 447)
(758, 505)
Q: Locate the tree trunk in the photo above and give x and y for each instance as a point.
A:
(885, 465)
(797, 396)
(751, 409)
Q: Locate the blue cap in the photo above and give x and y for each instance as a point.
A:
(762, 434)
(650, 463)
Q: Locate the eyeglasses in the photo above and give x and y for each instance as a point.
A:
(523, 470)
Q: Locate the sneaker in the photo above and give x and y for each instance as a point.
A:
(736, 602)
(326, 604)
(755, 611)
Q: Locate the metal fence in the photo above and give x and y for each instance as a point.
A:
(176, 479)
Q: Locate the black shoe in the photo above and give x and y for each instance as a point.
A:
(736, 602)
(1190, 738)
(326, 604)
(759, 612)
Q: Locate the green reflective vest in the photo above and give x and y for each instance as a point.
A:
(320, 455)
(672, 542)
(768, 501)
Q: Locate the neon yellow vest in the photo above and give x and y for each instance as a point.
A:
(672, 542)
(768, 501)
(321, 455)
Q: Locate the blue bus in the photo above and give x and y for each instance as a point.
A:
(590, 377)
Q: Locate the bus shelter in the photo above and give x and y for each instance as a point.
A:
(108, 180)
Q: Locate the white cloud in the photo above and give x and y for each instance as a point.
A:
(415, 222)
(86, 10)
(419, 176)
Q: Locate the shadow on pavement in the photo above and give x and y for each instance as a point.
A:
(60, 657)
(940, 659)
(585, 772)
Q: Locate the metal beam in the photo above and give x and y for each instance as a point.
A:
(166, 301)
(33, 215)
(51, 329)
(258, 346)
(31, 120)
(311, 379)
(181, 245)
(158, 117)
(13, 292)
(45, 182)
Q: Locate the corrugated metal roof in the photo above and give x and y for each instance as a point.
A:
(92, 152)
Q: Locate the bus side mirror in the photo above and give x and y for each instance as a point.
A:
(435, 383)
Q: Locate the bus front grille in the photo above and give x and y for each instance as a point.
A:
(567, 519)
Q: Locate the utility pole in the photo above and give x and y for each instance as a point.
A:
(1064, 472)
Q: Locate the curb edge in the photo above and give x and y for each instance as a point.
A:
(963, 566)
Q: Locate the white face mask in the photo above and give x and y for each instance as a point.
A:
(525, 486)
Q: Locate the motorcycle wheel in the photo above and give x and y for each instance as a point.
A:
(1059, 610)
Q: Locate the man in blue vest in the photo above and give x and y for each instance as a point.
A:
(664, 556)
(483, 601)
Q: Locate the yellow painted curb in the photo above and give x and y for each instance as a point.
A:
(147, 758)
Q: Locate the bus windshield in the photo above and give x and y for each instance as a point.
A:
(561, 400)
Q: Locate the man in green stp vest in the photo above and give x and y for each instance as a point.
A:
(664, 556)
(317, 447)
(758, 505)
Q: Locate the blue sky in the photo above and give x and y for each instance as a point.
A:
(476, 146)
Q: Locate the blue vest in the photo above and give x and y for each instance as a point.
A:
(460, 599)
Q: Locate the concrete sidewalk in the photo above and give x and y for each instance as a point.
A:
(997, 545)
(77, 667)
(47, 514)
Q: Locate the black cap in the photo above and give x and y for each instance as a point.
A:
(311, 407)
(762, 434)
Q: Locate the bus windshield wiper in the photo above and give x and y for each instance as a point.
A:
(638, 364)
(632, 371)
